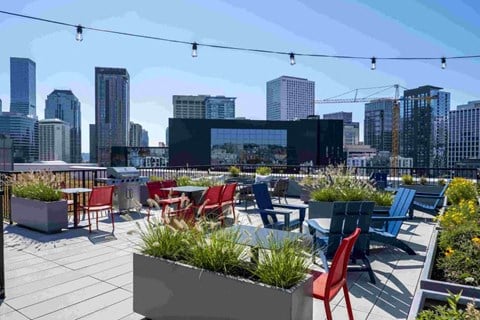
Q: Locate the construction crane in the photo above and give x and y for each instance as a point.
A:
(371, 98)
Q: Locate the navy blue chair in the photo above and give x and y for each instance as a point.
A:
(430, 202)
(346, 217)
(268, 210)
(385, 228)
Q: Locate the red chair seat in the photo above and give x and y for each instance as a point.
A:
(97, 208)
(319, 285)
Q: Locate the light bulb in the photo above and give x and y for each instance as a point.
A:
(444, 63)
(292, 59)
(79, 36)
(194, 49)
(374, 63)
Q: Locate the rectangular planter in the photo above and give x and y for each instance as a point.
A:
(320, 209)
(39, 215)
(164, 289)
(427, 283)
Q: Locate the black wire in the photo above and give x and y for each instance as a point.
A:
(233, 47)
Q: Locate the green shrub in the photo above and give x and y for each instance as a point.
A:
(461, 189)
(155, 178)
(423, 180)
(407, 179)
(263, 171)
(43, 186)
(382, 198)
(234, 171)
(441, 182)
(450, 311)
(284, 265)
(183, 181)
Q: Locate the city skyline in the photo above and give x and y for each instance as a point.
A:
(159, 70)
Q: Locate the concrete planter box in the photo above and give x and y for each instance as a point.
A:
(427, 283)
(320, 209)
(39, 215)
(164, 289)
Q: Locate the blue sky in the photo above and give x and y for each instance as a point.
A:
(158, 70)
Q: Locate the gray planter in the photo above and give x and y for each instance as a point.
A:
(434, 291)
(427, 283)
(39, 215)
(163, 289)
(320, 209)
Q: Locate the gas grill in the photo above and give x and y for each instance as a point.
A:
(127, 181)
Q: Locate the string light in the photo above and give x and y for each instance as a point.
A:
(194, 50)
(79, 36)
(194, 45)
(292, 58)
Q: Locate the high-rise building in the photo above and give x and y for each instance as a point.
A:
(351, 130)
(22, 86)
(112, 111)
(424, 126)
(189, 106)
(378, 124)
(135, 134)
(219, 107)
(93, 143)
(64, 105)
(464, 133)
(23, 130)
(54, 138)
(144, 141)
(290, 98)
(0, 105)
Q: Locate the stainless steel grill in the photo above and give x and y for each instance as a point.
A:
(127, 181)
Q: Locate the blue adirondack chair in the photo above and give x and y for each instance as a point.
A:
(385, 229)
(269, 211)
(429, 202)
(346, 217)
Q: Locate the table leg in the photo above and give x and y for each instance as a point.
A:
(75, 210)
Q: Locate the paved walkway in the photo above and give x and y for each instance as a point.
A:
(74, 275)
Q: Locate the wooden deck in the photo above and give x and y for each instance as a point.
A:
(74, 275)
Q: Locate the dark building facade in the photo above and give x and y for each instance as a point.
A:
(225, 142)
(378, 124)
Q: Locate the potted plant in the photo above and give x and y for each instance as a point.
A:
(37, 202)
(428, 305)
(217, 277)
(263, 174)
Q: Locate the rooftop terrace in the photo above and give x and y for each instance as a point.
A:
(74, 275)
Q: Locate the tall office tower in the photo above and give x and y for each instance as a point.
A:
(64, 105)
(23, 130)
(112, 111)
(54, 138)
(144, 141)
(290, 98)
(0, 105)
(135, 134)
(93, 143)
(378, 124)
(22, 86)
(351, 130)
(189, 106)
(220, 107)
(424, 126)
(464, 133)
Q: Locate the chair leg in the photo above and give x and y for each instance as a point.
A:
(96, 216)
(369, 269)
(347, 301)
(328, 311)
(233, 211)
(89, 222)
(113, 221)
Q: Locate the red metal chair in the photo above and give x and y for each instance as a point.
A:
(100, 199)
(328, 284)
(228, 197)
(211, 200)
(163, 197)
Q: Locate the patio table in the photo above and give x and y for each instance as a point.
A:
(75, 192)
(194, 193)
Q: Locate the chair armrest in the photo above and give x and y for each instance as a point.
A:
(277, 211)
(377, 218)
(301, 207)
(313, 224)
(381, 211)
(428, 196)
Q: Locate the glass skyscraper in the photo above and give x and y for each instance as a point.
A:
(22, 86)
(64, 105)
(219, 107)
(23, 130)
(112, 111)
(378, 124)
(290, 98)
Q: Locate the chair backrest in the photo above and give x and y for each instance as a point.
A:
(101, 196)
(401, 207)
(338, 270)
(154, 188)
(281, 187)
(186, 214)
(213, 195)
(228, 193)
(262, 197)
(346, 217)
